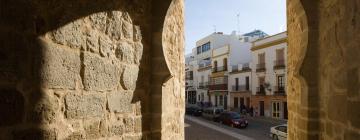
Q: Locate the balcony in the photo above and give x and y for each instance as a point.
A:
(219, 69)
(219, 83)
(240, 88)
(203, 85)
(279, 64)
(245, 67)
(189, 77)
(204, 65)
(279, 90)
(218, 86)
(260, 67)
(260, 91)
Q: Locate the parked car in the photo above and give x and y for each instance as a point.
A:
(212, 113)
(193, 110)
(233, 119)
(279, 132)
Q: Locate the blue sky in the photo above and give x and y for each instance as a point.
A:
(201, 16)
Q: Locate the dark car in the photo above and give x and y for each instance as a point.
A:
(232, 119)
(195, 111)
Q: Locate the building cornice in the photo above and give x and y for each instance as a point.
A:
(269, 44)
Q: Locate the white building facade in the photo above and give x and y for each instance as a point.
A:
(269, 76)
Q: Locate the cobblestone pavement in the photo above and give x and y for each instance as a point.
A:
(258, 129)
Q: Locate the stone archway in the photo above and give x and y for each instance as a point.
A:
(81, 70)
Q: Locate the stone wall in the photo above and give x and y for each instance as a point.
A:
(83, 70)
(323, 70)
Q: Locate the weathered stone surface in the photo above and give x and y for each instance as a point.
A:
(106, 46)
(95, 129)
(98, 21)
(99, 75)
(70, 35)
(11, 107)
(84, 106)
(92, 41)
(60, 68)
(114, 29)
(137, 33)
(129, 125)
(127, 30)
(125, 52)
(120, 102)
(117, 128)
(129, 77)
(76, 136)
(43, 108)
(138, 125)
(34, 134)
(139, 48)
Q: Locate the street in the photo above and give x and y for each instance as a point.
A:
(197, 128)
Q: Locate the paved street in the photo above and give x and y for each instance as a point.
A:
(197, 128)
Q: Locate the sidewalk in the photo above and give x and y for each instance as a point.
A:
(268, 120)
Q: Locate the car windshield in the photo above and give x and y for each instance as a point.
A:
(236, 116)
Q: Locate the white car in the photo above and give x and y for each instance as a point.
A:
(279, 132)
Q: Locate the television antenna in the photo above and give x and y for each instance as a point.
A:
(238, 23)
(214, 28)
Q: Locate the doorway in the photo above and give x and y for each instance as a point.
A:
(285, 110)
(261, 105)
(236, 102)
(276, 109)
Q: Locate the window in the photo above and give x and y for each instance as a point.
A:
(205, 47)
(221, 100)
(198, 49)
(225, 64)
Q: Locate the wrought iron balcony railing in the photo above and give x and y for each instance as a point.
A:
(279, 90)
(260, 67)
(279, 64)
(260, 91)
(203, 85)
(219, 69)
(218, 87)
(240, 88)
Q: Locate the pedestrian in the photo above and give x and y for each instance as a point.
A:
(251, 111)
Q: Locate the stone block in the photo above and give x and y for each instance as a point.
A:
(84, 106)
(117, 128)
(127, 29)
(139, 48)
(43, 107)
(98, 21)
(114, 29)
(129, 77)
(138, 125)
(137, 33)
(11, 107)
(76, 136)
(106, 46)
(99, 75)
(60, 68)
(129, 137)
(120, 102)
(125, 52)
(34, 134)
(95, 129)
(129, 125)
(71, 35)
(92, 41)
